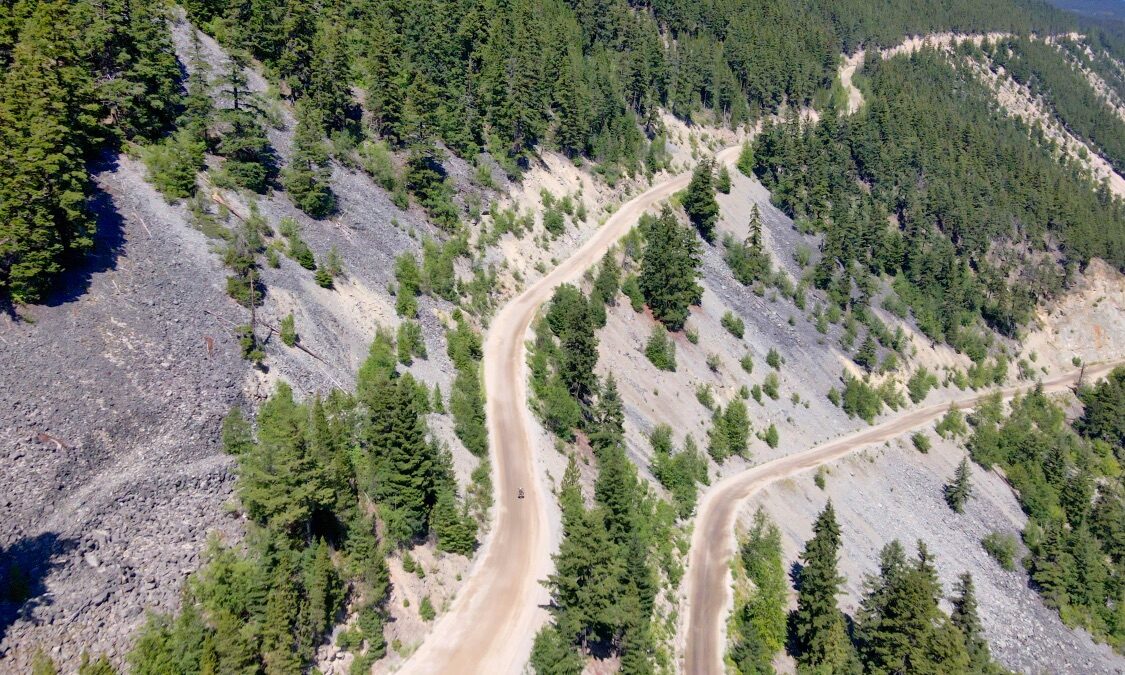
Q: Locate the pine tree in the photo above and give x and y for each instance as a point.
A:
(586, 586)
(48, 118)
(746, 159)
(763, 618)
(755, 238)
(282, 607)
(553, 655)
(607, 426)
(569, 318)
(307, 177)
(617, 491)
(965, 617)
(329, 87)
(669, 268)
(821, 640)
(699, 200)
(403, 462)
(722, 182)
(281, 485)
(901, 628)
(243, 142)
(455, 530)
(960, 489)
(573, 105)
(868, 355)
(608, 281)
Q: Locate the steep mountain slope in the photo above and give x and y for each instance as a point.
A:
(113, 400)
(114, 392)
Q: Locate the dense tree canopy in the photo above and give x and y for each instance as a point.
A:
(971, 212)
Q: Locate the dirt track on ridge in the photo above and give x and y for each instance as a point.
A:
(707, 584)
(491, 625)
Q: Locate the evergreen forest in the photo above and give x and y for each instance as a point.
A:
(587, 77)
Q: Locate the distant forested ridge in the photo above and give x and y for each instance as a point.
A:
(974, 214)
(1084, 111)
(583, 76)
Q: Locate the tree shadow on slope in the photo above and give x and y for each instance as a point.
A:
(109, 240)
(23, 568)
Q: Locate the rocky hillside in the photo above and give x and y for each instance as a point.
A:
(114, 390)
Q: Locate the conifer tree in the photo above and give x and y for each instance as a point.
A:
(965, 617)
(755, 238)
(552, 654)
(573, 105)
(307, 177)
(699, 200)
(607, 426)
(569, 319)
(960, 489)
(281, 485)
(901, 628)
(243, 142)
(455, 529)
(586, 586)
(669, 269)
(868, 355)
(608, 281)
(330, 77)
(722, 182)
(403, 462)
(762, 620)
(48, 115)
(822, 643)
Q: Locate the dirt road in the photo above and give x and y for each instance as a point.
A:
(847, 72)
(707, 589)
(491, 625)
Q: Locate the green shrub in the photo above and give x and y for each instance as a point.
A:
(632, 289)
(289, 331)
(774, 359)
(746, 159)
(426, 609)
(173, 163)
(660, 349)
(553, 221)
(770, 385)
(734, 324)
(952, 425)
(771, 436)
(704, 396)
(1003, 548)
(860, 399)
(921, 441)
(920, 384)
(410, 342)
(747, 363)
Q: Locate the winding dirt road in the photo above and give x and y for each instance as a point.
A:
(707, 587)
(492, 623)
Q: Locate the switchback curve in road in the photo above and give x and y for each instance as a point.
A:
(707, 587)
(492, 623)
